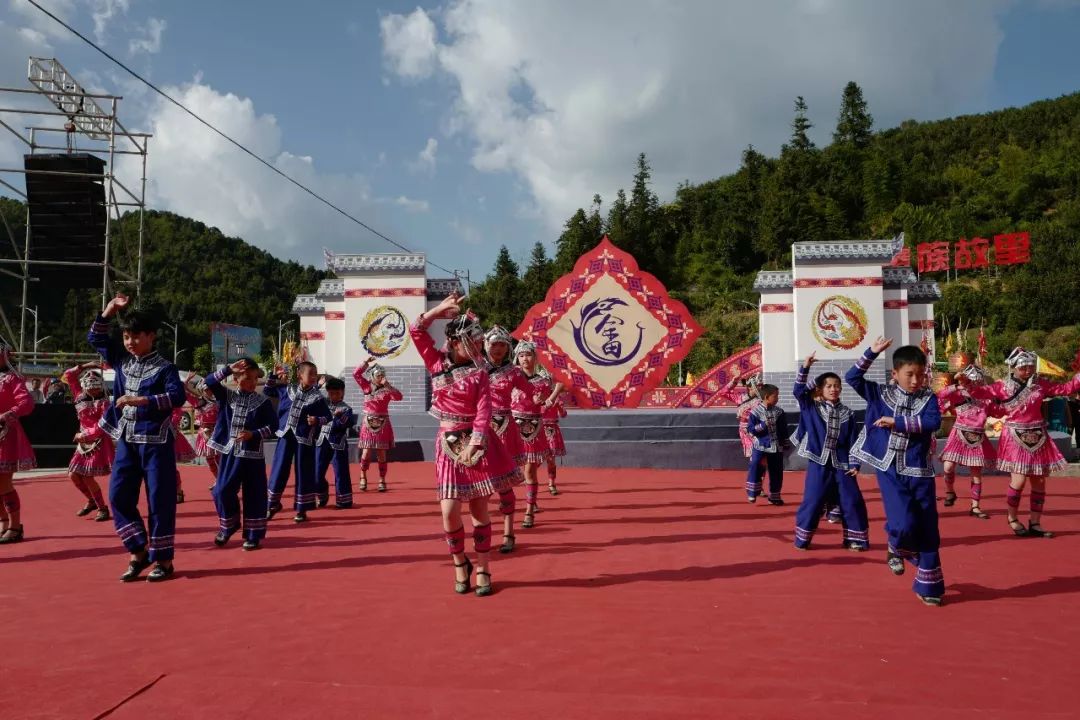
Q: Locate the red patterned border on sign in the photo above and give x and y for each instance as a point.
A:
(706, 392)
(386, 292)
(312, 335)
(607, 260)
(777, 308)
(921, 325)
(895, 304)
(838, 282)
(335, 315)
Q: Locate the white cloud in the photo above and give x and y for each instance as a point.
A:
(30, 17)
(426, 158)
(150, 44)
(689, 84)
(411, 205)
(103, 11)
(409, 44)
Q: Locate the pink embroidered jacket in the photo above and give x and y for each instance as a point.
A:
(970, 413)
(206, 416)
(376, 399)
(460, 394)
(1022, 402)
(504, 380)
(14, 397)
(739, 395)
(88, 410)
(529, 403)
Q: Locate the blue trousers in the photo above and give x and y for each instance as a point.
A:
(325, 457)
(759, 463)
(823, 482)
(284, 456)
(155, 465)
(241, 475)
(911, 522)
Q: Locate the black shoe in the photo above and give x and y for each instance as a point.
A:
(323, 502)
(11, 535)
(300, 517)
(272, 510)
(87, 509)
(160, 573)
(363, 484)
(978, 512)
(102, 515)
(342, 506)
(1036, 530)
(856, 547)
(776, 500)
(931, 601)
(222, 538)
(552, 489)
(179, 497)
(134, 569)
(251, 545)
(509, 542)
(382, 486)
(1018, 528)
(896, 564)
(950, 498)
(462, 587)
(528, 522)
(483, 590)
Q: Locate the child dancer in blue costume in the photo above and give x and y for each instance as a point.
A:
(147, 388)
(768, 431)
(827, 435)
(901, 419)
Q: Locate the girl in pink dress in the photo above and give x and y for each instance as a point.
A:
(555, 440)
(505, 377)
(15, 451)
(206, 415)
(528, 408)
(468, 467)
(967, 444)
(376, 432)
(745, 397)
(1025, 449)
(94, 449)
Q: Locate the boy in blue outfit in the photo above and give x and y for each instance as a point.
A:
(147, 388)
(828, 432)
(901, 419)
(245, 419)
(332, 447)
(768, 431)
(302, 411)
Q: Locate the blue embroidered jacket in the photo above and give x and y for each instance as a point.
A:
(150, 376)
(299, 405)
(237, 411)
(826, 430)
(336, 432)
(767, 427)
(918, 417)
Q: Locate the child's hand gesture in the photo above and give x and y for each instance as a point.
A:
(885, 422)
(238, 367)
(810, 360)
(115, 305)
(881, 345)
(244, 435)
(450, 307)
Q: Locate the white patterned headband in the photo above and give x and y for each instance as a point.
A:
(525, 346)
(974, 373)
(1021, 357)
(91, 381)
(497, 334)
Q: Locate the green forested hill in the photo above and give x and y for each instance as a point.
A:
(1010, 170)
(191, 273)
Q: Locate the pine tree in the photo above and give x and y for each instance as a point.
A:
(538, 277)
(617, 226)
(855, 124)
(800, 127)
(641, 216)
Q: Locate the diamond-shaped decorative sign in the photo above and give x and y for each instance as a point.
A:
(608, 331)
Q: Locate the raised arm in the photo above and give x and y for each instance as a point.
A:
(949, 397)
(395, 394)
(856, 376)
(214, 383)
(802, 387)
(1065, 388)
(100, 337)
(424, 344)
(361, 380)
(71, 379)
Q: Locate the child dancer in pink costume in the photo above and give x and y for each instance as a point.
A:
(468, 467)
(746, 398)
(555, 440)
(967, 444)
(376, 432)
(94, 449)
(528, 410)
(206, 415)
(505, 377)
(15, 451)
(1025, 449)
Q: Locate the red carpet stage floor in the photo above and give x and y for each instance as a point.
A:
(638, 595)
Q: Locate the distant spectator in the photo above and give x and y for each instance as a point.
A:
(57, 394)
(35, 391)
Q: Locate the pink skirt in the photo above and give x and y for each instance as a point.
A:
(747, 442)
(555, 438)
(97, 462)
(533, 439)
(493, 472)
(970, 448)
(1027, 448)
(376, 433)
(506, 431)
(202, 449)
(184, 452)
(15, 451)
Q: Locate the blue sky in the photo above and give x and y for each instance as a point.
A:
(525, 110)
